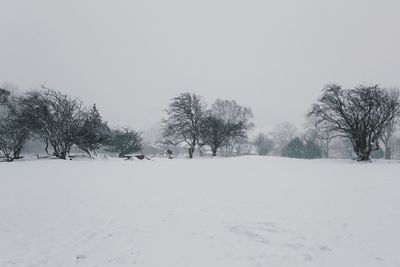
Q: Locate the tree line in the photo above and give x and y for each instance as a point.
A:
(360, 121)
(60, 122)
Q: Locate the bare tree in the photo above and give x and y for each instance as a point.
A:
(263, 144)
(396, 146)
(230, 111)
(322, 138)
(13, 132)
(186, 114)
(360, 114)
(215, 132)
(54, 117)
(282, 134)
(387, 134)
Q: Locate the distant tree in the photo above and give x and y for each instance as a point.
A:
(387, 134)
(13, 132)
(341, 147)
(297, 148)
(54, 118)
(387, 140)
(322, 138)
(215, 132)
(312, 150)
(93, 134)
(378, 154)
(241, 145)
(125, 141)
(396, 146)
(282, 134)
(360, 114)
(263, 144)
(231, 112)
(185, 116)
(294, 149)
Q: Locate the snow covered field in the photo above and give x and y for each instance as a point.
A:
(248, 211)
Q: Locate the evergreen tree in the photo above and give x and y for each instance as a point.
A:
(94, 132)
(295, 149)
(312, 150)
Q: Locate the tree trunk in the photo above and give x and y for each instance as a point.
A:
(8, 158)
(63, 155)
(17, 152)
(362, 148)
(214, 152)
(364, 155)
(192, 147)
(363, 158)
(47, 148)
(388, 151)
(238, 149)
(325, 148)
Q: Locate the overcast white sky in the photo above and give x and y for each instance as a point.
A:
(131, 57)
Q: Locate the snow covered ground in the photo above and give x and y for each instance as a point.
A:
(247, 211)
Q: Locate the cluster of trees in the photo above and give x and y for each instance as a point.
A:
(303, 149)
(223, 126)
(60, 122)
(285, 140)
(364, 119)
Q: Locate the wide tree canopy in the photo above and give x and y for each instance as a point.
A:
(360, 114)
(185, 116)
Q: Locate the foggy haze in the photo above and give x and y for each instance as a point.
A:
(131, 57)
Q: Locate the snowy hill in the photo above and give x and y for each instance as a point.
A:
(247, 211)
